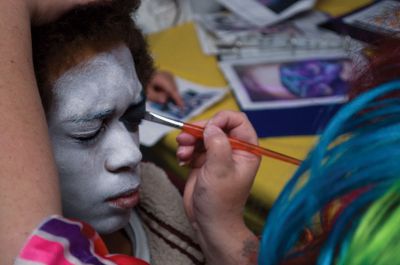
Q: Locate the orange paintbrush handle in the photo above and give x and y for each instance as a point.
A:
(197, 131)
(194, 130)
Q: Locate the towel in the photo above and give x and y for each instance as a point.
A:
(171, 237)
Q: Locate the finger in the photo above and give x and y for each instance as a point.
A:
(190, 149)
(177, 98)
(219, 151)
(185, 153)
(236, 125)
(165, 79)
(201, 123)
(165, 82)
(185, 139)
(156, 96)
(192, 155)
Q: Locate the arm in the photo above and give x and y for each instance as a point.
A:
(218, 187)
(28, 181)
(28, 177)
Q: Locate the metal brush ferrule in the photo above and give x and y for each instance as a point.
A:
(149, 116)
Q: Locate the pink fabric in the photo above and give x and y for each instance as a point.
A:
(60, 241)
(44, 251)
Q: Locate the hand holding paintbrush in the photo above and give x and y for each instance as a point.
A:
(218, 185)
(198, 131)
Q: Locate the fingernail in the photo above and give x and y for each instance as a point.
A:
(179, 152)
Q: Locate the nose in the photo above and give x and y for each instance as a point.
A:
(123, 151)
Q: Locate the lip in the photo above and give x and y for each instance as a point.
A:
(125, 200)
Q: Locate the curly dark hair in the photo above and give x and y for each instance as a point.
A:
(96, 27)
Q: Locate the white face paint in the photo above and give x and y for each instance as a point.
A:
(96, 152)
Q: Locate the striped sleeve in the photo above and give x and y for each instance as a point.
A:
(61, 241)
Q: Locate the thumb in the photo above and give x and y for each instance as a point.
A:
(219, 150)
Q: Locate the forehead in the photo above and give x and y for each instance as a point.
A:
(104, 79)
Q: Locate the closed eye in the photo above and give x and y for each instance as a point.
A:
(89, 137)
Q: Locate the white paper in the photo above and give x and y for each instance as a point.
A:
(266, 12)
(197, 99)
(207, 42)
(289, 81)
(228, 36)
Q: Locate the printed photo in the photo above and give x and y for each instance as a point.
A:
(230, 22)
(193, 100)
(311, 78)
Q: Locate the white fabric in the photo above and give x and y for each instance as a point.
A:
(156, 15)
(137, 235)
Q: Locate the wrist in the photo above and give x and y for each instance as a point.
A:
(232, 243)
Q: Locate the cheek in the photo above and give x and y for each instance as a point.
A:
(78, 168)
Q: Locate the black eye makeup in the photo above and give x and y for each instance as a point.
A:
(134, 114)
(92, 126)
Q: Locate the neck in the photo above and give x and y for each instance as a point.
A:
(118, 243)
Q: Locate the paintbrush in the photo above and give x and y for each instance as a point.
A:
(197, 131)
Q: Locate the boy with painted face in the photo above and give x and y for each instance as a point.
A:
(97, 151)
(91, 76)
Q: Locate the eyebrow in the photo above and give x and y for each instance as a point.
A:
(130, 113)
(91, 116)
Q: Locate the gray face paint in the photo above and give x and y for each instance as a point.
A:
(96, 154)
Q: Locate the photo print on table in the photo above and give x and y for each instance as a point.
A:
(309, 78)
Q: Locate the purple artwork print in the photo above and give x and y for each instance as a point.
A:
(295, 80)
(314, 78)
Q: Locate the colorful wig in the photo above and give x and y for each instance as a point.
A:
(357, 154)
(376, 239)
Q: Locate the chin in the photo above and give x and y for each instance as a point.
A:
(110, 224)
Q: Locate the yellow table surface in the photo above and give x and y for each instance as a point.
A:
(178, 50)
(339, 7)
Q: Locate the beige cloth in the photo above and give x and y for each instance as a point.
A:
(171, 238)
(156, 15)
